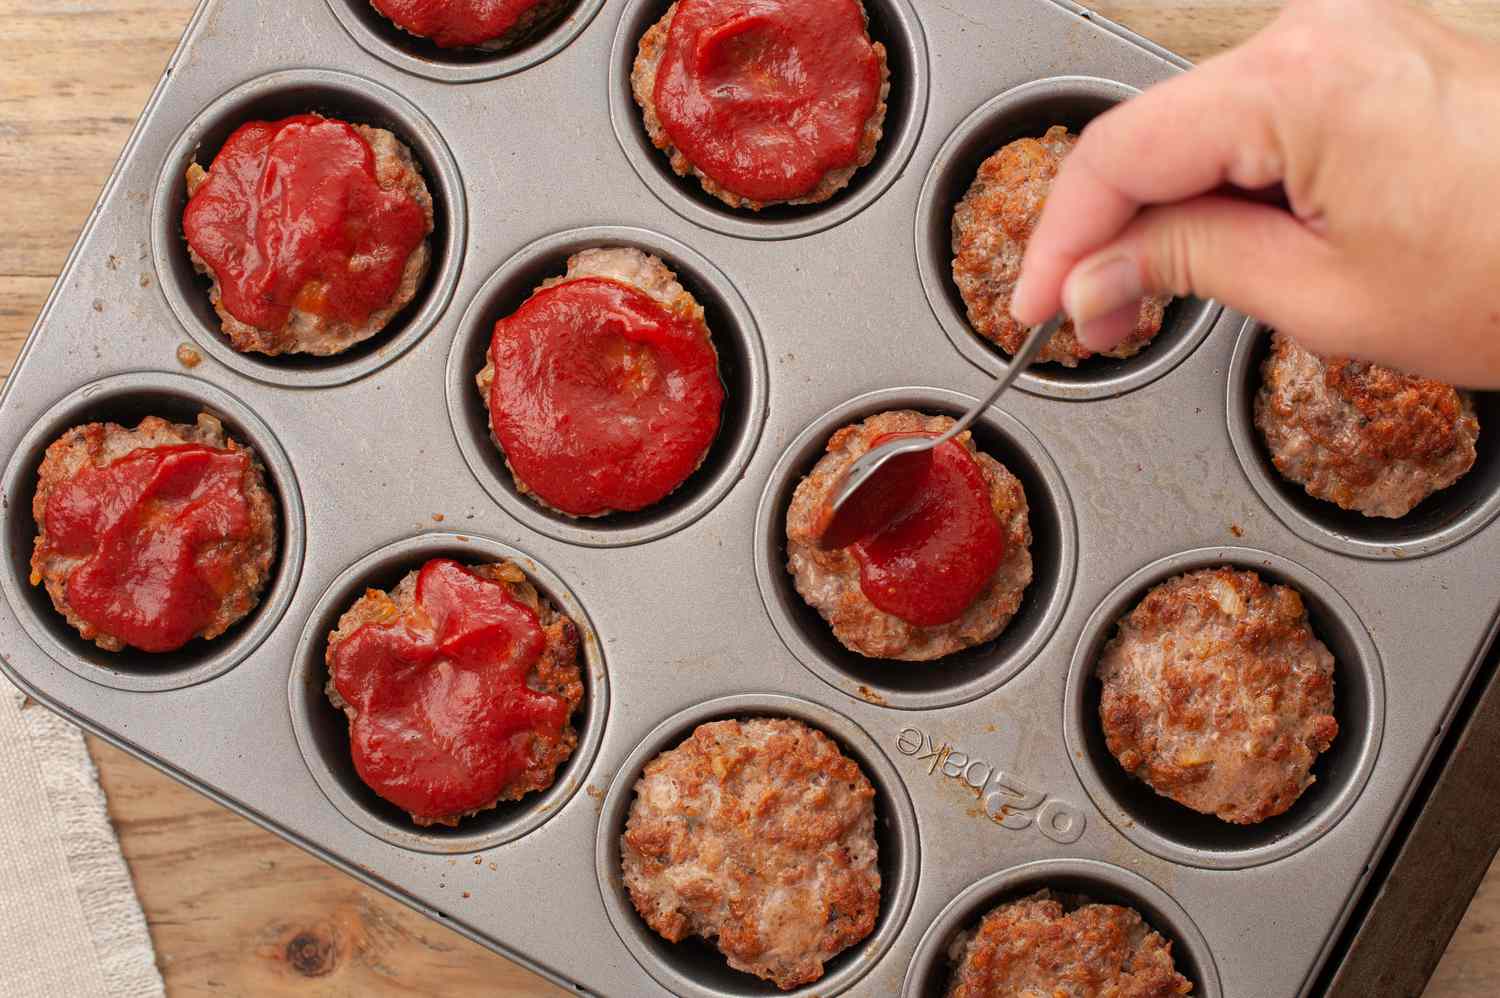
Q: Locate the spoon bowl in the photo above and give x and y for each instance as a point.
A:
(889, 481)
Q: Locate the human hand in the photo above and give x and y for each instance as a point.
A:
(1383, 128)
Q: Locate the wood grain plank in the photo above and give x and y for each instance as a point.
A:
(233, 910)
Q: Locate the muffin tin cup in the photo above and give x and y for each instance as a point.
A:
(694, 968)
(1174, 831)
(742, 368)
(322, 730)
(336, 94)
(1027, 111)
(421, 57)
(126, 399)
(1440, 521)
(931, 966)
(894, 23)
(966, 674)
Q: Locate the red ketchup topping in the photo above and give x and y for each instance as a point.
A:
(292, 215)
(930, 556)
(882, 498)
(767, 96)
(603, 398)
(445, 718)
(155, 530)
(456, 23)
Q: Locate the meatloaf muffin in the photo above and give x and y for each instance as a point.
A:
(313, 231)
(487, 25)
(603, 388)
(991, 227)
(153, 535)
(824, 102)
(1038, 948)
(459, 686)
(833, 581)
(1363, 436)
(1218, 695)
(760, 835)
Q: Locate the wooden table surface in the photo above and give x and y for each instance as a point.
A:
(234, 910)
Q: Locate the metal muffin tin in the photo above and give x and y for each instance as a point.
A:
(988, 767)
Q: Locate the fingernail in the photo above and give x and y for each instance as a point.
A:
(1100, 286)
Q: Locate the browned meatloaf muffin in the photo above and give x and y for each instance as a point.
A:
(643, 85)
(235, 562)
(435, 759)
(1037, 948)
(1218, 695)
(991, 227)
(306, 331)
(759, 834)
(1363, 436)
(628, 265)
(830, 580)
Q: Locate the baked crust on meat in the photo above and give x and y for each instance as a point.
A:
(1360, 435)
(556, 670)
(991, 227)
(648, 58)
(829, 580)
(1218, 695)
(100, 444)
(1038, 948)
(759, 835)
(627, 265)
(306, 332)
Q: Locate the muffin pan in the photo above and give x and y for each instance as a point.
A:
(989, 769)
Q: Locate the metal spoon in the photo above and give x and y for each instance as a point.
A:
(868, 464)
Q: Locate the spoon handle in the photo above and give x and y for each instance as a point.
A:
(1035, 340)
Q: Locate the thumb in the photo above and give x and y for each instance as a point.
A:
(1255, 258)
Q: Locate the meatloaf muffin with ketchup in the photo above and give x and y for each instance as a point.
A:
(1360, 435)
(603, 387)
(760, 835)
(1039, 947)
(488, 25)
(314, 233)
(764, 101)
(151, 536)
(991, 227)
(1218, 695)
(459, 686)
(944, 572)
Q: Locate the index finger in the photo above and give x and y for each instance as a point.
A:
(1178, 140)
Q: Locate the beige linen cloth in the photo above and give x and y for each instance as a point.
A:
(70, 924)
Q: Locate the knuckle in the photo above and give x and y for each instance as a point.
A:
(1173, 244)
(1294, 54)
